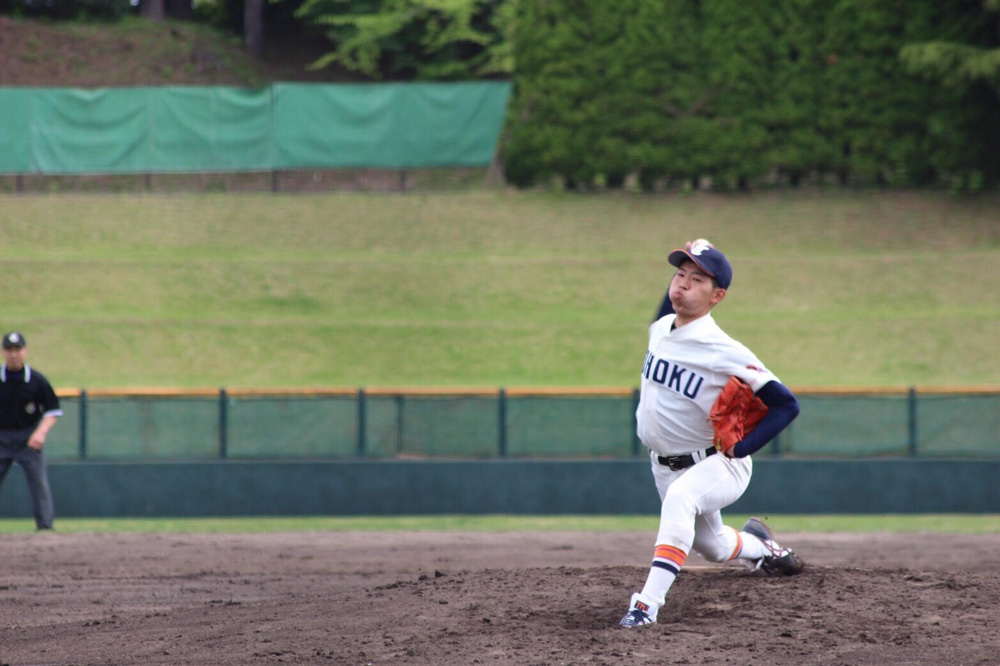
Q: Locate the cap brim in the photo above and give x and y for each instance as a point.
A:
(678, 257)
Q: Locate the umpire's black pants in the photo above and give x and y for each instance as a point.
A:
(14, 448)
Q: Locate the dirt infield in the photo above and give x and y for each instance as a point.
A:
(472, 598)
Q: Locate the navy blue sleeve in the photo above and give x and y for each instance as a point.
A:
(666, 307)
(782, 408)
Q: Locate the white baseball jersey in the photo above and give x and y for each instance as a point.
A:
(682, 375)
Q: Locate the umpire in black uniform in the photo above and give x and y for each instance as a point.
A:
(28, 410)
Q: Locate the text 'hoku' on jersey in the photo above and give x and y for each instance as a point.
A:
(676, 377)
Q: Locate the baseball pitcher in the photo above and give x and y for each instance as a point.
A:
(706, 404)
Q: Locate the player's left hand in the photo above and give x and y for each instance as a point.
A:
(734, 413)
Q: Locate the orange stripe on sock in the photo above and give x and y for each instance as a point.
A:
(739, 547)
(669, 553)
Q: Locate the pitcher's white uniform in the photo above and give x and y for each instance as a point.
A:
(681, 378)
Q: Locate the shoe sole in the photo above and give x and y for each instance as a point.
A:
(633, 625)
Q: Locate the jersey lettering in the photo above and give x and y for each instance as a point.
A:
(680, 379)
(675, 378)
(660, 371)
(692, 392)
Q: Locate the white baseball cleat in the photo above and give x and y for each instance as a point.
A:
(639, 614)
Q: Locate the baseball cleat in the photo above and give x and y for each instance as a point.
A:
(781, 561)
(638, 614)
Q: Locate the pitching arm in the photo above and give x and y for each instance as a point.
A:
(666, 307)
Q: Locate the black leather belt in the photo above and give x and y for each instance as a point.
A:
(687, 460)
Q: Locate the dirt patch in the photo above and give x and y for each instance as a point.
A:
(470, 598)
(135, 52)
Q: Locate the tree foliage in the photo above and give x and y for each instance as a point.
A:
(661, 92)
(959, 63)
(737, 92)
(416, 39)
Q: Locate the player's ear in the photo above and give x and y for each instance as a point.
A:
(717, 295)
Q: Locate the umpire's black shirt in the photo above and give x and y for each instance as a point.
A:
(25, 397)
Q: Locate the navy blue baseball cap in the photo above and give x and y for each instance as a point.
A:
(14, 339)
(707, 258)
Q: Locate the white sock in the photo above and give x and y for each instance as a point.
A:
(654, 592)
(752, 548)
(667, 563)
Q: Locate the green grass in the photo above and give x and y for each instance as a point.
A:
(951, 523)
(492, 288)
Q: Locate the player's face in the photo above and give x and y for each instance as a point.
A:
(693, 293)
(14, 357)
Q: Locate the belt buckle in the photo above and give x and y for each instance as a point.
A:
(677, 463)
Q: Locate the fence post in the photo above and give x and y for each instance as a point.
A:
(399, 423)
(223, 424)
(502, 423)
(912, 421)
(82, 442)
(635, 425)
(362, 422)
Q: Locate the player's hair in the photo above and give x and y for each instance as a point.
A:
(715, 282)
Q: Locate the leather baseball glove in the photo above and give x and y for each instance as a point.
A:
(735, 413)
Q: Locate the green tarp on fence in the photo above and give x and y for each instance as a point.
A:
(285, 126)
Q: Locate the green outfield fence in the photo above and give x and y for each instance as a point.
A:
(284, 137)
(538, 423)
(177, 129)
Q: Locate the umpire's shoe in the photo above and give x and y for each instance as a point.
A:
(781, 561)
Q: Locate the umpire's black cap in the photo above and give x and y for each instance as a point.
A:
(14, 339)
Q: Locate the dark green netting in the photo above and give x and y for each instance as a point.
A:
(291, 426)
(570, 426)
(958, 425)
(489, 426)
(849, 426)
(464, 426)
(63, 441)
(141, 427)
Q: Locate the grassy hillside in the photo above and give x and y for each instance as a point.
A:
(492, 288)
(135, 52)
(484, 288)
